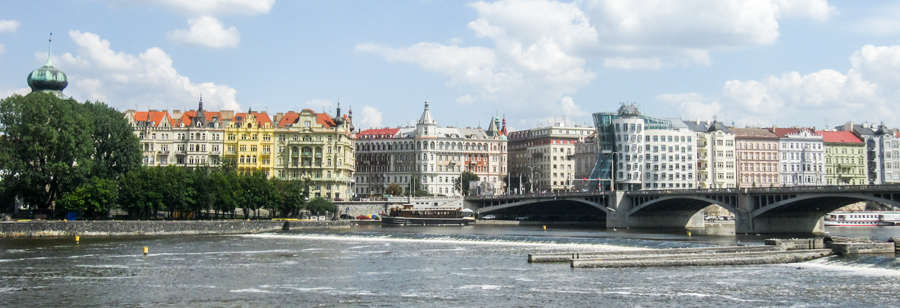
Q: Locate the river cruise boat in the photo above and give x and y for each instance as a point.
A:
(415, 215)
(862, 219)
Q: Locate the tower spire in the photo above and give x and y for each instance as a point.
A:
(49, 50)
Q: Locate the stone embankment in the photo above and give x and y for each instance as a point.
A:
(154, 227)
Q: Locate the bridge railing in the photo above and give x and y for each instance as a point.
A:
(542, 195)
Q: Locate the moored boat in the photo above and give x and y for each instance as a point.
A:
(409, 214)
(862, 219)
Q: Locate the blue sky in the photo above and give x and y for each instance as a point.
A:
(759, 62)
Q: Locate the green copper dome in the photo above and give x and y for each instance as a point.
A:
(47, 78)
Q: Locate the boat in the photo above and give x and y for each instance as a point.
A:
(862, 219)
(417, 215)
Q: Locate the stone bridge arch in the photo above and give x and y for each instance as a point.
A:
(700, 203)
(817, 203)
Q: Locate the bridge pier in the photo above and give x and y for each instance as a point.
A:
(800, 223)
(665, 219)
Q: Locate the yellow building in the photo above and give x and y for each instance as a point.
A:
(249, 140)
(317, 147)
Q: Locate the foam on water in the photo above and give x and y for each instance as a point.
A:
(387, 238)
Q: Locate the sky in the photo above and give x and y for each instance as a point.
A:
(813, 63)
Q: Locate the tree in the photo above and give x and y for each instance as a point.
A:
(47, 147)
(320, 205)
(93, 199)
(116, 149)
(394, 189)
(52, 146)
(292, 196)
(466, 178)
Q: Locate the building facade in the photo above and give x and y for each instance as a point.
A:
(431, 156)
(802, 157)
(757, 157)
(716, 155)
(295, 146)
(845, 158)
(544, 158)
(642, 152)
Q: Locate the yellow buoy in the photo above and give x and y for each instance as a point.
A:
(146, 250)
(689, 233)
(77, 239)
(545, 227)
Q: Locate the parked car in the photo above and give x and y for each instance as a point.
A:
(488, 217)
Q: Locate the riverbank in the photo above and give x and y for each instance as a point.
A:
(156, 227)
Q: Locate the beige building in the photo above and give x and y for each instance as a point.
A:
(757, 157)
(543, 159)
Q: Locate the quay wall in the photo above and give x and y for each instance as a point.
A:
(138, 228)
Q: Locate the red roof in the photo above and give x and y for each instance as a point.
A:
(782, 132)
(188, 117)
(390, 132)
(261, 118)
(155, 116)
(288, 119)
(839, 137)
(324, 120)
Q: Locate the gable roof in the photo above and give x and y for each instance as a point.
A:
(156, 117)
(188, 117)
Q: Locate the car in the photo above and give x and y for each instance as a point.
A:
(488, 217)
(522, 218)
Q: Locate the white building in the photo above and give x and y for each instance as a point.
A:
(435, 156)
(641, 152)
(801, 157)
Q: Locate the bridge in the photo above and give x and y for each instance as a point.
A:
(756, 210)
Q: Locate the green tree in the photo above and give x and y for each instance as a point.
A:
(47, 147)
(394, 189)
(292, 196)
(93, 199)
(51, 146)
(319, 205)
(116, 149)
(466, 178)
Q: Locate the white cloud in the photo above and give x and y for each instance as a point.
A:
(217, 7)
(127, 81)
(9, 26)
(206, 31)
(541, 48)
(534, 63)
(633, 63)
(684, 32)
(370, 118)
(20, 91)
(320, 105)
(866, 92)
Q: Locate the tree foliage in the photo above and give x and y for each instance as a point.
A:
(393, 189)
(93, 199)
(52, 146)
(466, 178)
(319, 205)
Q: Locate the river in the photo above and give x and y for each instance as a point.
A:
(483, 266)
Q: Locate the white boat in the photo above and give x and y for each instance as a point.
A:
(862, 219)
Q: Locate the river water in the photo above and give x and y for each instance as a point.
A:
(475, 266)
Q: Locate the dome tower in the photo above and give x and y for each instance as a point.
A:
(48, 78)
